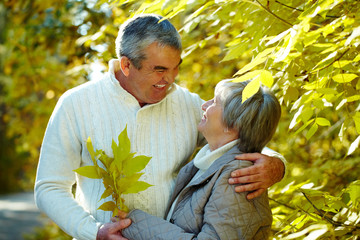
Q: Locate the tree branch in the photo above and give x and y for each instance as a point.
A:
(335, 223)
(283, 4)
(300, 10)
(336, 59)
(283, 204)
(269, 11)
(321, 213)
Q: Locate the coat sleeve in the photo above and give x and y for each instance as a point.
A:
(227, 215)
(59, 156)
(145, 226)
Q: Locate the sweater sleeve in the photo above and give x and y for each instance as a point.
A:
(60, 155)
(272, 153)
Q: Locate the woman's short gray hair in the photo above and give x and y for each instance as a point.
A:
(256, 119)
(139, 32)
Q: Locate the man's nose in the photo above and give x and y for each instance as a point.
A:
(170, 76)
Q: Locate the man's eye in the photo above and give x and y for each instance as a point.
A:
(159, 70)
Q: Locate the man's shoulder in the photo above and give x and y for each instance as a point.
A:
(85, 88)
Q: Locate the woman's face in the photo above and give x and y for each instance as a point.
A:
(211, 124)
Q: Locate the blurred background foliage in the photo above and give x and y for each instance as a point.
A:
(306, 50)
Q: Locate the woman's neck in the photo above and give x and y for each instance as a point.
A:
(216, 143)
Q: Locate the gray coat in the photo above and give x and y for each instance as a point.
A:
(209, 208)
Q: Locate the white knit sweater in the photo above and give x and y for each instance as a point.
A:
(100, 109)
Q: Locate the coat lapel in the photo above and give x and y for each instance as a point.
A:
(188, 171)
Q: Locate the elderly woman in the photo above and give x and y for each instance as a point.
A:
(204, 205)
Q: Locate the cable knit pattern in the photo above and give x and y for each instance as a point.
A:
(101, 109)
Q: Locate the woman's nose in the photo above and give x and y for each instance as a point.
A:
(207, 104)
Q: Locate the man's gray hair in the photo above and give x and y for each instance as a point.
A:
(255, 120)
(139, 32)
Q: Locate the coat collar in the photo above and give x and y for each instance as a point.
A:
(217, 165)
(187, 173)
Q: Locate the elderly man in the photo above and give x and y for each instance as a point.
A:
(161, 118)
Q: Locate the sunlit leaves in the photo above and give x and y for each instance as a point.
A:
(312, 131)
(344, 78)
(316, 58)
(250, 89)
(354, 145)
(136, 164)
(107, 206)
(88, 171)
(120, 174)
(312, 64)
(354, 191)
(259, 59)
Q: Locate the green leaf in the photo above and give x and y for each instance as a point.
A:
(354, 145)
(108, 182)
(341, 64)
(108, 206)
(90, 148)
(108, 192)
(124, 144)
(353, 98)
(311, 131)
(354, 191)
(356, 119)
(235, 51)
(125, 182)
(106, 160)
(357, 58)
(121, 151)
(88, 171)
(137, 187)
(266, 78)
(136, 164)
(291, 94)
(326, 91)
(259, 59)
(322, 122)
(344, 78)
(199, 11)
(250, 89)
(278, 37)
(288, 43)
(306, 113)
(247, 76)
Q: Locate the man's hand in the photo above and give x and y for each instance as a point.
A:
(112, 231)
(265, 172)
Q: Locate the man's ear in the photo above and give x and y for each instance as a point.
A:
(125, 65)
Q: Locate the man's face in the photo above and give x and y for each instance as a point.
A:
(150, 83)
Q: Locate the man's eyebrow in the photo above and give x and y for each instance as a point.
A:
(160, 68)
(165, 68)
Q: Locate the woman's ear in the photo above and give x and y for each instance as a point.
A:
(125, 65)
